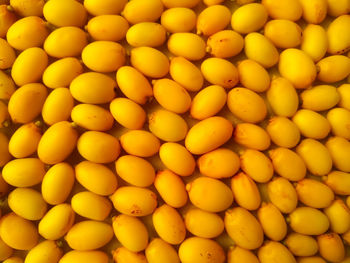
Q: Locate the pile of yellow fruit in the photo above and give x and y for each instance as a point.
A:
(167, 131)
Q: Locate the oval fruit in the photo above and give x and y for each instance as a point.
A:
(178, 19)
(108, 27)
(251, 136)
(282, 194)
(213, 19)
(256, 165)
(140, 143)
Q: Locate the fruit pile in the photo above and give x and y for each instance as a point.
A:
(167, 131)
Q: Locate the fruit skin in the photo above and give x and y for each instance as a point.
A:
(243, 228)
(338, 181)
(186, 74)
(208, 134)
(169, 224)
(246, 105)
(208, 102)
(27, 32)
(57, 183)
(338, 35)
(283, 132)
(62, 72)
(96, 178)
(288, 9)
(282, 194)
(339, 216)
(57, 106)
(134, 201)
(93, 256)
(203, 224)
(252, 136)
(275, 251)
(193, 249)
(92, 117)
(56, 222)
(13, 260)
(218, 195)
(237, 254)
(28, 8)
(314, 259)
(8, 86)
(56, 13)
(143, 11)
(27, 203)
(272, 221)
(50, 148)
(159, 251)
(314, 193)
(178, 19)
(146, 34)
(6, 251)
(167, 126)
(311, 124)
(256, 165)
(140, 143)
(140, 56)
(7, 54)
(133, 84)
(17, 232)
(316, 156)
(187, 45)
(260, 49)
(213, 19)
(331, 247)
(282, 97)
(301, 245)
(103, 56)
(107, 27)
(98, 147)
(89, 235)
(253, 76)
(249, 18)
(135, 170)
(93, 88)
(333, 68)
(288, 164)
(177, 158)
(45, 252)
(339, 118)
(283, 33)
(249, 198)
(123, 255)
(7, 18)
(26, 102)
(320, 98)
(219, 163)
(91, 205)
(24, 172)
(131, 232)
(308, 221)
(59, 43)
(314, 41)
(171, 96)
(225, 44)
(296, 66)
(104, 8)
(339, 149)
(337, 8)
(314, 11)
(219, 71)
(4, 150)
(171, 188)
(180, 3)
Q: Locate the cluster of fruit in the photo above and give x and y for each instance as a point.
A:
(166, 131)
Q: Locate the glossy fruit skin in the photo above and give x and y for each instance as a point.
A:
(337, 34)
(213, 19)
(273, 250)
(236, 222)
(60, 131)
(331, 247)
(146, 34)
(93, 256)
(187, 45)
(159, 251)
(219, 196)
(178, 19)
(131, 232)
(301, 245)
(134, 201)
(46, 251)
(225, 44)
(201, 138)
(108, 27)
(100, 234)
(201, 246)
